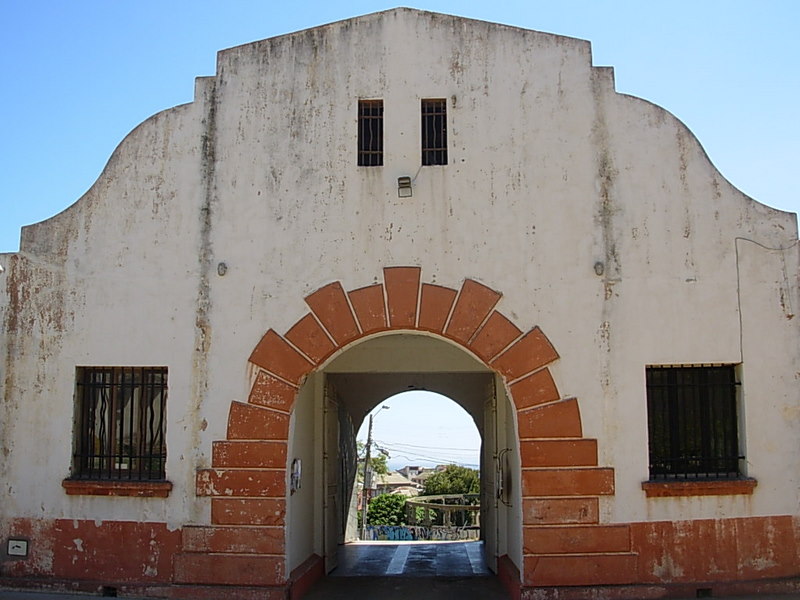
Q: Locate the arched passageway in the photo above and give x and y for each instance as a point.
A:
(384, 366)
(414, 432)
(548, 485)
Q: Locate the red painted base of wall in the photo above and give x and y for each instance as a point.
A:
(754, 555)
(725, 550)
(648, 592)
(169, 591)
(140, 559)
(508, 574)
(110, 553)
(305, 576)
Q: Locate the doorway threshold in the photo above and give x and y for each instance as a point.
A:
(411, 559)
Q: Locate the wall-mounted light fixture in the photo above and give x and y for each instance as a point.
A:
(17, 548)
(404, 187)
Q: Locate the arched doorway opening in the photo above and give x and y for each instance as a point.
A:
(358, 380)
(423, 491)
(428, 444)
(384, 366)
(268, 495)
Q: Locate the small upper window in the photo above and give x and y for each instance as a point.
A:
(370, 133)
(120, 423)
(434, 132)
(692, 422)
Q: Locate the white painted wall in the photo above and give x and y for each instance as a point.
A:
(301, 539)
(550, 172)
(510, 513)
(112, 280)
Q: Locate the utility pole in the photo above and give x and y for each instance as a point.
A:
(364, 488)
(367, 479)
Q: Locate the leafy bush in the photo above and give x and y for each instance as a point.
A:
(453, 480)
(387, 509)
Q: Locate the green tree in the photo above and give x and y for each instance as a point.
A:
(378, 464)
(377, 461)
(387, 509)
(452, 480)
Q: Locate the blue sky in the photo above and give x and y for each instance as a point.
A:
(78, 75)
(424, 429)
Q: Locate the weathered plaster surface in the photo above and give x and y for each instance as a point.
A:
(598, 216)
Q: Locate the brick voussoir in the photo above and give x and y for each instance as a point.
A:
(369, 306)
(494, 336)
(436, 303)
(310, 338)
(402, 295)
(268, 454)
(243, 483)
(475, 302)
(528, 354)
(332, 308)
(576, 481)
(275, 355)
(271, 392)
(559, 419)
(253, 422)
(577, 452)
(534, 389)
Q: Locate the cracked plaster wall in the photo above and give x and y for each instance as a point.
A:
(550, 173)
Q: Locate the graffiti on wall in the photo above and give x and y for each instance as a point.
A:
(409, 533)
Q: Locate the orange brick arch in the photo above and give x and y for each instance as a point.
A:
(564, 543)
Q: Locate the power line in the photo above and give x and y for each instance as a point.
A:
(439, 462)
(427, 447)
(436, 459)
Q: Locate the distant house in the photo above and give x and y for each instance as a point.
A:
(410, 471)
(395, 482)
(417, 474)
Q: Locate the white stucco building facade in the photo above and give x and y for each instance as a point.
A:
(570, 268)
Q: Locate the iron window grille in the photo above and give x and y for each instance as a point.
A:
(370, 133)
(120, 423)
(693, 423)
(434, 132)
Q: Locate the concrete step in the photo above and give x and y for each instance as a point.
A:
(405, 588)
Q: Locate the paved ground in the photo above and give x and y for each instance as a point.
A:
(407, 588)
(411, 559)
(383, 588)
(416, 571)
(391, 571)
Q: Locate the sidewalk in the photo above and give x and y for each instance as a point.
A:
(346, 588)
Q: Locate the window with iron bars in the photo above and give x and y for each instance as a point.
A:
(434, 132)
(121, 422)
(370, 133)
(693, 423)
